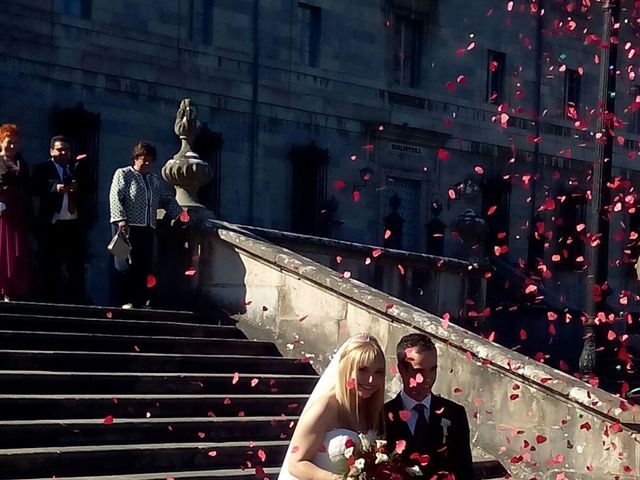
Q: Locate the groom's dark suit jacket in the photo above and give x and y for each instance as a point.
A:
(450, 455)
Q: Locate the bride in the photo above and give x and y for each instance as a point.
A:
(348, 399)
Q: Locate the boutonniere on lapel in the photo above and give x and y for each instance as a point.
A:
(445, 423)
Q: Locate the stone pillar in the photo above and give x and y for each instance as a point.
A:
(187, 173)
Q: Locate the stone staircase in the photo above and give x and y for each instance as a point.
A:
(108, 393)
(98, 393)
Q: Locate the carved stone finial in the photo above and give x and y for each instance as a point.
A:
(186, 171)
(187, 125)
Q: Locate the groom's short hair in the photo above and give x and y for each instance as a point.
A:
(420, 341)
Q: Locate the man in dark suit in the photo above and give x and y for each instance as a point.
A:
(436, 430)
(60, 235)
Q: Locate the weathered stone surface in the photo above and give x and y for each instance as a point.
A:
(133, 60)
(513, 402)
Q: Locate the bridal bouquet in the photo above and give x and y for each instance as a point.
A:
(370, 460)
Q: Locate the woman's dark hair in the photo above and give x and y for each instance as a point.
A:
(144, 148)
(420, 341)
(58, 138)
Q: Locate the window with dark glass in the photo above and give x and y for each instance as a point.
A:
(310, 34)
(201, 28)
(495, 76)
(207, 22)
(571, 93)
(78, 8)
(407, 34)
(571, 239)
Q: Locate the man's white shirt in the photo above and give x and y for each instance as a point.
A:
(63, 214)
(409, 403)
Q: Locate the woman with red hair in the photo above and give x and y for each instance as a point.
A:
(15, 216)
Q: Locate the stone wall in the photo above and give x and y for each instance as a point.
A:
(132, 62)
(539, 422)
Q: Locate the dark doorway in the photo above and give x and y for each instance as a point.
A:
(309, 187)
(208, 145)
(82, 129)
(496, 195)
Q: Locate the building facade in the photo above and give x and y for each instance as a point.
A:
(348, 118)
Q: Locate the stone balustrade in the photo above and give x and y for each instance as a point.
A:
(538, 422)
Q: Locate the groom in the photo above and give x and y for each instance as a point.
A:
(436, 430)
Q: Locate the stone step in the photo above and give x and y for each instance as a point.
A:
(16, 464)
(31, 382)
(151, 462)
(35, 407)
(85, 311)
(226, 474)
(62, 361)
(23, 340)
(42, 323)
(484, 470)
(67, 433)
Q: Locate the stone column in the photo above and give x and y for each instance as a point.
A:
(187, 173)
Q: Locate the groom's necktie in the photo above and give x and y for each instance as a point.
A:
(421, 429)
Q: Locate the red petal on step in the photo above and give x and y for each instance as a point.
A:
(262, 455)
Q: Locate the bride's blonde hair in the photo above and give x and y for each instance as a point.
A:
(362, 350)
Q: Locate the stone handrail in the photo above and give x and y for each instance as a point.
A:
(433, 283)
(539, 422)
(342, 246)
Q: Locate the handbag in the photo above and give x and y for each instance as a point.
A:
(119, 246)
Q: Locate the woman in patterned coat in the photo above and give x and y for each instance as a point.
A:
(135, 197)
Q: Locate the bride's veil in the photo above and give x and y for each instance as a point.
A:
(326, 383)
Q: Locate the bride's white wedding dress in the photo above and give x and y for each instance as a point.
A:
(332, 458)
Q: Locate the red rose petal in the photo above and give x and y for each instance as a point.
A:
(443, 154)
(540, 439)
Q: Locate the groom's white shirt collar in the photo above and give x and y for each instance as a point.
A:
(409, 403)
